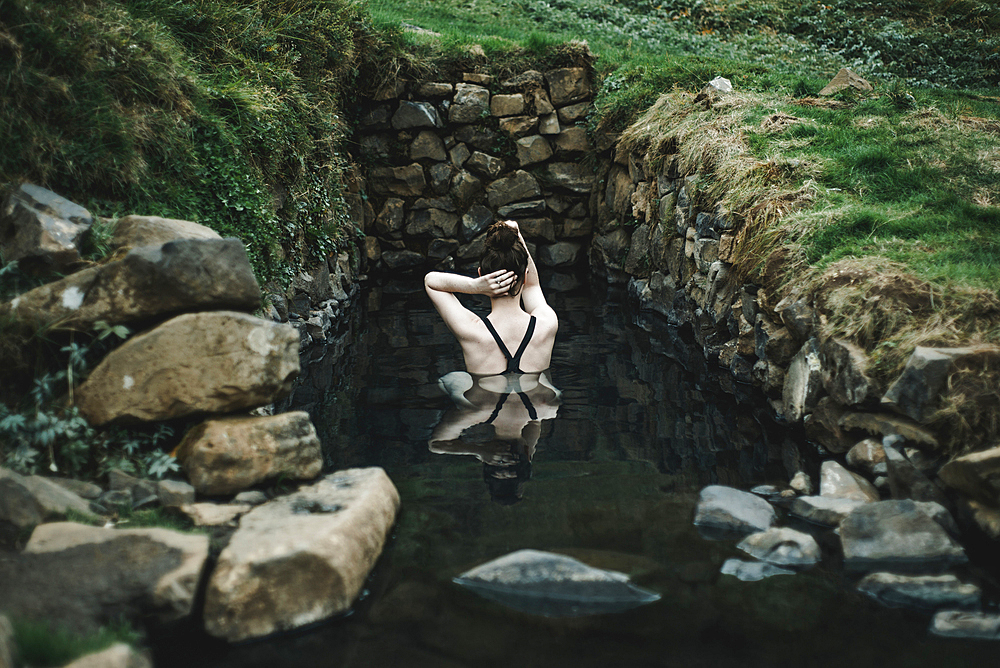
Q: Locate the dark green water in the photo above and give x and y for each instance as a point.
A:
(644, 424)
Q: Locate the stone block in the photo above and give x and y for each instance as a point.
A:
(519, 126)
(470, 104)
(507, 105)
(427, 145)
(416, 115)
(567, 85)
(532, 150)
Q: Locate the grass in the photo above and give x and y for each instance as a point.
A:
(40, 646)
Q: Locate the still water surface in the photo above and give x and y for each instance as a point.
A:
(642, 424)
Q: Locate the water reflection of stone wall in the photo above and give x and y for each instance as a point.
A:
(629, 393)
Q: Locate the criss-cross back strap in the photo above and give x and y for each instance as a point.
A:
(513, 361)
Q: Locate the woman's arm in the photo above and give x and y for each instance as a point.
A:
(531, 294)
(442, 287)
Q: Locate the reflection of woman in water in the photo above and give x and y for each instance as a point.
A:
(502, 397)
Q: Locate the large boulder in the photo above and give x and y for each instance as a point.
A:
(823, 510)
(183, 275)
(928, 592)
(897, 536)
(230, 454)
(214, 362)
(728, 510)
(301, 558)
(84, 577)
(41, 229)
(26, 501)
(136, 231)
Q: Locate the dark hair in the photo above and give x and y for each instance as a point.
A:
(504, 250)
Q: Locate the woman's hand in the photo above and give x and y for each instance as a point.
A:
(496, 283)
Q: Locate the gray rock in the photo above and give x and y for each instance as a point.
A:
(572, 176)
(518, 186)
(782, 546)
(730, 510)
(484, 165)
(803, 382)
(559, 254)
(441, 173)
(553, 585)
(567, 85)
(439, 249)
(402, 259)
(521, 209)
(231, 454)
(407, 180)
(797, 315)
(7, 645)
(199, 362)
(572, 141)
(389, 222)
(975, 475)
(907, 482)
(823, 510)
(752, 571)
(119, 655)
(926, 592)
(458, 155)
(174, 493)
(475, 220)
(427, 145)
(464, 187)
(837, 482)
(844, 373)
(532, 149)
(416, 115)
(868, 456)
(38, 227)
(151, 281)
(470, 104)
(921, 381)
(26, 501)
(85, 490)
(773, 343)
(251, 498)
(962, 624)
(63, 575)
(897, 536)
(301, 558)
(575, 112)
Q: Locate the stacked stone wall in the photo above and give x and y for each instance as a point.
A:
(445, 159)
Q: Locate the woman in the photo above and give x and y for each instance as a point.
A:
(520, 319)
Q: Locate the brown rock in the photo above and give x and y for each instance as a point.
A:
(213, 362)
(519, 126)
(408, 180)
(976, 475)
(572, 140)
(470, 104)
(40, 228)
(567, 85)
(533, 149)
(507, 105)
(846, 78)
(428, 146)
(134, 231)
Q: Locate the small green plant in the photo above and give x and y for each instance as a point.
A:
(40, 645)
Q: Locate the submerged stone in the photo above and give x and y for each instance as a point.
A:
(752, 571)
(959, 624)
(553, 585)
(928, 592)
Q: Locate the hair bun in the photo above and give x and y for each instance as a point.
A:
(500, 236)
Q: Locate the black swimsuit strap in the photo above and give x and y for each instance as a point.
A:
(513, 361)
(532, 413)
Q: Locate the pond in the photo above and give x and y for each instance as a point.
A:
(641, 424)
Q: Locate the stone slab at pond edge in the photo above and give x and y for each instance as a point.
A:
(214, 362)
(301, 558)
(729, 510)
(231, 454)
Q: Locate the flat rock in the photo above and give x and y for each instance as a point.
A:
(730, 510)
(752, 571)
(150, 281)
(924, 592)
(231, 454)
(887, 424)
(837, 482)
(823, 510)
(962, 624)
(135, 231)
(174, 493)
(782, 546)
(553, 585)
(301, 558)
(63, 575)
(26, 501)
(118, 655)
(518, 186)
(215, 514)
(897, 536)
(572, 176)
(213, 362)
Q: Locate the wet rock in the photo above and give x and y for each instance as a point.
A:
(976, 475)
(135, 231)
(470, 104)
(174, 493)
(518, 186)
(416, 115)
(926, 592)
(41, 229)
(26, 501)
(752, 571)
(868, 456)
(183, 275)
(560, 254)
(553, 585)
(215, 514)
(844, 373)
(729, 510)
(230, 454)
(63, 575)
(201, 362)
(907, 482)
(782, 546)
(823, 510)
(837, 482)
(961, 624)
(301, 558)
(897, 536)
(803, 382)
(570, 175)
(567, 85)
